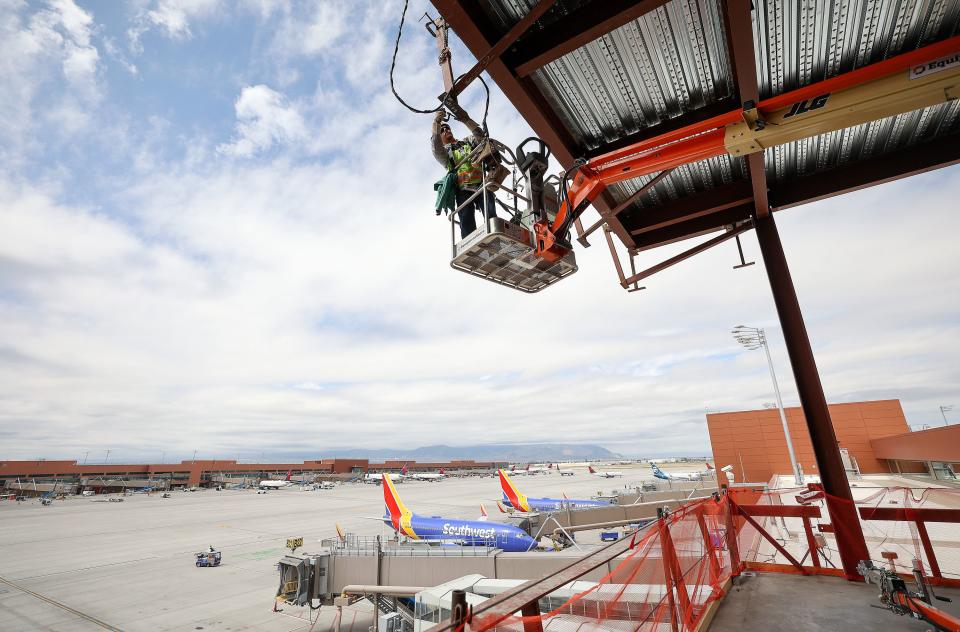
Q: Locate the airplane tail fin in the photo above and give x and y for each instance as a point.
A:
(500, 507)
(289, 474)
(404, 469)
(395, 507)
(709, 467)
(483, 512)
(442, 472)
(340, 533)
(564, 494)
(590, 468)
(511, 493)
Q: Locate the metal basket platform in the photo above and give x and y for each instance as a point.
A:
(502, 252)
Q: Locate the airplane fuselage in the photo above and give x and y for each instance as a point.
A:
(676, 476)
(555, 504)
(464, 532)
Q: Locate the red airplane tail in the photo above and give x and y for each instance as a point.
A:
(592, 471)
(444, 473)
(289, 474)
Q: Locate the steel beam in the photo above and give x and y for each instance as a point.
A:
(576, 29)
(688, 208)
(502, 44)
(737, 14)
(683, 256)
(694, 227)
(843, 515)
(942, 152)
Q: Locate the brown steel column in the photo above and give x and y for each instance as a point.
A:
(843, 514)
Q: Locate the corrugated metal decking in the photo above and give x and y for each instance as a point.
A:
(673, 63)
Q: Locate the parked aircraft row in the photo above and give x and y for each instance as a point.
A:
(481, 532)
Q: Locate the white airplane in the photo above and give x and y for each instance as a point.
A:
(428, 476)
(271, 484)
(540, 469)
(603, 474)
(564, 472)
(680, 476)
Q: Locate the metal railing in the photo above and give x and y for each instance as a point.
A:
(362, 546)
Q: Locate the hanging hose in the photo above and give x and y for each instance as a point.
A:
(393, 64)
(393, 88)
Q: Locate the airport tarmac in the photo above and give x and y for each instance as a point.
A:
(130, 565)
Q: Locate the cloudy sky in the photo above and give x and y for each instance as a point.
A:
(216, 233)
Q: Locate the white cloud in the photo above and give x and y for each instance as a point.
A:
(264, 119)
(307, 293)
(310, 29)
(48, 53)
(173, 18)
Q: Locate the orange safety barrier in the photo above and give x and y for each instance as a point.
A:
(667, 576)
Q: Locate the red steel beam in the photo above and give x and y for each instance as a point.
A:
(783, 511)
(850, 541)
(686, 254)
(502, 44)
(768, 537)
(910, 514)
(577, 29)
(928, 156)
(685, 209)
(740, 37)
(694, 227)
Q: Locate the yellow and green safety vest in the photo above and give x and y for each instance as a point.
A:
(469, 175)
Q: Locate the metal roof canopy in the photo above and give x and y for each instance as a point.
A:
(593, 76)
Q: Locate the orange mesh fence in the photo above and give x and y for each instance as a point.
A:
(675, 568)
(895, 521)
(665, 581)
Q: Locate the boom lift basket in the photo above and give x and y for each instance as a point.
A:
(502, 252)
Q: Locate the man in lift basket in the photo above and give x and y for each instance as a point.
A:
(453, 155)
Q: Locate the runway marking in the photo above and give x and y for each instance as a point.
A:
(95, 621)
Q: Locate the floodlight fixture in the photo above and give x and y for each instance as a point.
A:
(754, 338)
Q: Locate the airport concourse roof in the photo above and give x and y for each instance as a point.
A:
(592, 76)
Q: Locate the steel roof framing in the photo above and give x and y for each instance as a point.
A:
(575, 29)
(657, 215)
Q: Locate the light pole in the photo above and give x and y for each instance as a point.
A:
(753, 338)
(943, 411)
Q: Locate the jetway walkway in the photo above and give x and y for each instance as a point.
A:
(360, 560)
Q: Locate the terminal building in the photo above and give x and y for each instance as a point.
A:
(874, 438)
(68, 477)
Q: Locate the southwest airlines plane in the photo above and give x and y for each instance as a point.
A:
(436, 529)
(513, 497)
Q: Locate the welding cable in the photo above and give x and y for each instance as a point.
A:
(393, 65)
